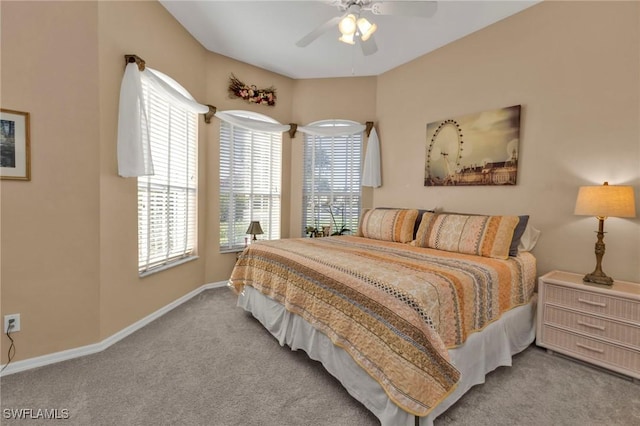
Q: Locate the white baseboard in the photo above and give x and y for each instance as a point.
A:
(43, 360)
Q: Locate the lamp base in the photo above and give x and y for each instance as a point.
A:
(598, 278)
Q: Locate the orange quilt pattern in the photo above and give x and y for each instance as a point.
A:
(393, 307)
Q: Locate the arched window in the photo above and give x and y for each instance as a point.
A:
(250, 177)
(167, 199)
(331, 186)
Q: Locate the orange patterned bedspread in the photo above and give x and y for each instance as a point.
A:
(394, 308)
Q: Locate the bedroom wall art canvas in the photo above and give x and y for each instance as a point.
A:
(14, 145)
(475, 149)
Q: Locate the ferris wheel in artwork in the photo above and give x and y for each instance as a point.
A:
(444, 153)
(474, 149)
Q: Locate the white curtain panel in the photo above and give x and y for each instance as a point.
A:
(134, 153)
(342, 130)
(371, 175)
(236, 119)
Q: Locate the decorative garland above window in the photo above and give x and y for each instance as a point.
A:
(251, 93)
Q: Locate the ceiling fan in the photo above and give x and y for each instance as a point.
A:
(354, 26)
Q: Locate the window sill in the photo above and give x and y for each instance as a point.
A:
(167, 266)
(232, 250)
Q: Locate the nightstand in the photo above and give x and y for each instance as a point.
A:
(594, 323)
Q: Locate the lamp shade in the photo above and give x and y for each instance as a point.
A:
(255, 228)
(366, 28)
(347, 38)
(347, 25)
(606, 201)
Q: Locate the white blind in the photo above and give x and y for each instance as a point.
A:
(331, 185)
(250, 179)
(167, 200)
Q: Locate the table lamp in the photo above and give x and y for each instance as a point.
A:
(604, 201)
(255, 229)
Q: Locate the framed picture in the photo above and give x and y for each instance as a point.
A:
(475, 149)
(15, 146)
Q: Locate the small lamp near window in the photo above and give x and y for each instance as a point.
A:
(604, 201)
(255, 229)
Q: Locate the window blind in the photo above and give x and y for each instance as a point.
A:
(167, 200)
(250, 179)
(331, 183)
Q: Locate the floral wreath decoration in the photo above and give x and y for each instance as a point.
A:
(251, 93)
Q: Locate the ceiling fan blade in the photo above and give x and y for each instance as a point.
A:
(306, 40)
(424, 9)
(369, 47)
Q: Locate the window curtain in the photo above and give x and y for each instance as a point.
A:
(371, 175)
(134, 152)
(342, 130)
(235, 119)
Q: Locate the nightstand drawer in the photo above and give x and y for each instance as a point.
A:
(626, 334)
(585, 301)
(596, 351)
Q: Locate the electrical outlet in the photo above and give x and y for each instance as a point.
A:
(16, 322)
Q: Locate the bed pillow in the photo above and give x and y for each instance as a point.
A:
(418, 218)
(529, 238)
(517, 235)
(388, 224)
(421, 212)
(488, 236)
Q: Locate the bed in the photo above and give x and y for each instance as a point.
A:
(407, 314)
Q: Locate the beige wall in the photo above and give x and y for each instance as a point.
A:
(51, 225)
(68, 237)
(149, 31)
(574, 68)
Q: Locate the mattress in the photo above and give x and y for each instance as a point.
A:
(482, 353)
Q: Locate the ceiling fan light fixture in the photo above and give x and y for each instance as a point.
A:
(366, 28)
(347, 25)
(347, 38)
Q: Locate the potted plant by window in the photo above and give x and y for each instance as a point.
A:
(342, 230)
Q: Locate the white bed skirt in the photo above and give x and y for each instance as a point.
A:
(482, 352)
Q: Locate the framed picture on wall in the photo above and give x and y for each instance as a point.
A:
(474, 149)
(15, 145)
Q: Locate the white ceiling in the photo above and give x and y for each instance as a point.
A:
(264, 33)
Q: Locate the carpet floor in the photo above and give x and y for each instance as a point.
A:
(208, 362)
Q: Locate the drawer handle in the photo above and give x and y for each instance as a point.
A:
(586, 324)
(589, 302)
(580, 345)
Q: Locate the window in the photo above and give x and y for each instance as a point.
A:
(250, 179)
(167, 200)
(331, 186)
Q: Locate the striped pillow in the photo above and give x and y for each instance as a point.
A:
(488, 236)
(388, 224)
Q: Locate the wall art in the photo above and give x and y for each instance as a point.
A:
(15, 145)
(474, 149)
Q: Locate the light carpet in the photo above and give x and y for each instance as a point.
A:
(208, 362)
